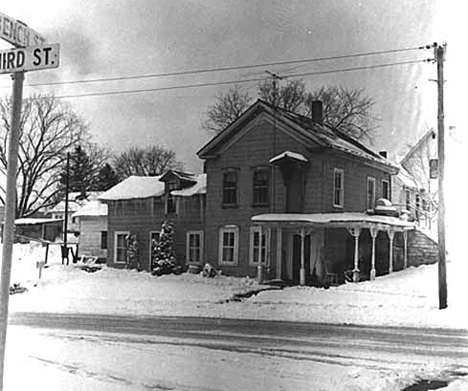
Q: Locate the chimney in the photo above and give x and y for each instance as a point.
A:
(317, 111)
(383, 154)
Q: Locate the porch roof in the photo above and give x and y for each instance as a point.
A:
(337, 220)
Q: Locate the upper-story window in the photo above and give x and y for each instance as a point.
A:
(230, 187)
(170, 199)
(338, 187)
(370, 193)
(386, 189)
(261, 186)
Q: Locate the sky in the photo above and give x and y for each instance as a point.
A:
(119, 38)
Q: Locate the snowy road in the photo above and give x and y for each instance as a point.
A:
(192, 353)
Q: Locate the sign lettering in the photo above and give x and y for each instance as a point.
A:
(31, 58)
(17, 33)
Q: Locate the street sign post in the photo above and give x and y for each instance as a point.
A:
(31, 58)
(16, 62)
(17, 33)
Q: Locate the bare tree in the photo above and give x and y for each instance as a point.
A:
(347, 110)
(290, 97)
(226, 109)
(148, 161)
(48, 128)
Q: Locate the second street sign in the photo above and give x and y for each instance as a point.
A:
(31, 58)
(17, 33)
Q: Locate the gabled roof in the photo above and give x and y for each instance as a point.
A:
(183, 176)
(308, 132)
(415, 148)
(135, 187)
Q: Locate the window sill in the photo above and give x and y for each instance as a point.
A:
(260, 205)
(229, 206)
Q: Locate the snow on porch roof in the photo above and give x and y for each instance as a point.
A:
(290, 155)
(335, 219)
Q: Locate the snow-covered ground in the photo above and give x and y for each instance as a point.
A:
(405, 298)
(75, 362)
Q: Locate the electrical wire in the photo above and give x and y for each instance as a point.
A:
(231, 68)
(122, 92)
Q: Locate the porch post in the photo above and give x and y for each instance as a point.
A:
(405, 237)
(260, 266)
(373, 232)
(391, 235)
(279, 251)
(355, 232)
(302, 270)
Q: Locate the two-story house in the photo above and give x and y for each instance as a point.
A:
(296, 197)
(138, 206)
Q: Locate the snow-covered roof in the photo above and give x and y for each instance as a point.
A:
(406, 178)
(290, 155)
(198, 188)
(74, 202)
(92, 208)
(330, 218)
(35, 221)
(135, 187)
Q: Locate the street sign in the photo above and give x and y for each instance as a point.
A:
(17, 33)
(31, 58)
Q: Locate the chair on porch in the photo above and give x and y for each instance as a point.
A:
(330, 276)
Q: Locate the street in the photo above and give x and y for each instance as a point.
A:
(185, 353)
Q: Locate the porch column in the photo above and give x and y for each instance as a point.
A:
(391, 235)
(355, 232)
(405, 241)
(302, 274)
(279, 251)
(260, 266)
(373, 232)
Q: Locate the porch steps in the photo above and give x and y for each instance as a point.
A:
(422, 248)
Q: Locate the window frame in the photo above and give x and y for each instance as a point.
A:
(386, 196)
(230, 171)
(116, 234)
(370, 179)
(265, 246)
(200, 233)
(234, 229)
(260, 188)
(341, 194)
(104, 235)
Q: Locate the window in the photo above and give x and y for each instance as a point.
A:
(230, 187)
(258, 246)
(261, 186)
(386, 189)
(170, 199)
(408, 200)
(194, 250)
(103, 240)
(370, 193)
(338, 188)
(228, 245)
(120, 254)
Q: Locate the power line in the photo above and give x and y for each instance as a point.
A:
(231, 68)
(122, 92)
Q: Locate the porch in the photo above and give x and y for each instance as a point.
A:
(324, 248)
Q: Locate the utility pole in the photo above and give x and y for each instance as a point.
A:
(65, 223)
(10, 213)
(439, 52)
